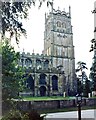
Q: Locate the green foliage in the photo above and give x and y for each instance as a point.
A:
(0, 47)
(81, 66)
(17, 115)
(93, 75)
(93, 68)
(12, 15)
(12, 81)
(83, 84)
(12, 115)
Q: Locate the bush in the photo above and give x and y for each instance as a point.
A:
(12, 115)
(17, 115)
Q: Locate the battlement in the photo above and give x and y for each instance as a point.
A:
(58, 12)
(33, 55)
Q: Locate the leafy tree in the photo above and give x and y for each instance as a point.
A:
(81, 77)
(18, 115)
(81, 66)
(12, 81)
(12, 14)
(86, 85)
(93, 75)
(93, 68)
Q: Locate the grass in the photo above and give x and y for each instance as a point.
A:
(46, 98)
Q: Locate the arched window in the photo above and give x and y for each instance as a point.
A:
(38, 63)
(46, 63)
(54, 82)
(58, 24)
(63, 25)
(28, 62)
(30, 82)
(42, 79)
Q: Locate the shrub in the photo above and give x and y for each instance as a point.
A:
(17, 115)
(12, 115)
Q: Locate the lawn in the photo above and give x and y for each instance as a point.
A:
(45, 98)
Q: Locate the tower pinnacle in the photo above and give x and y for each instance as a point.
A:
(69, 11)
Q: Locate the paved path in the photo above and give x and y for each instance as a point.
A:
(85, 115)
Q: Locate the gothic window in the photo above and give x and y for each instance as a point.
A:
(59, 51)
(30, 83)
(59, 61)
(46, 64)
(28, 62)
(58, 24)
(54, 82)
(42, 79)
(63, 52)
(63, 25)
(38, 63)
(66, 52)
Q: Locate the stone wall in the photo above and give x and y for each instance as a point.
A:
(52, 104)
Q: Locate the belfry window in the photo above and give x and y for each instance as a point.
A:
(58, 24)
(63, 25)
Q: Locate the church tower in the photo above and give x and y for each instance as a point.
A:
(58, 43)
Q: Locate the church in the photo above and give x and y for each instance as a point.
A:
(53, 72)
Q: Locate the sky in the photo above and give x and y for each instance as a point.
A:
(82, 22)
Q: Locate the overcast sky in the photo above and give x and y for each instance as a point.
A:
(82, 22)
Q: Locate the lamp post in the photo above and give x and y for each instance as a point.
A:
(79, 101)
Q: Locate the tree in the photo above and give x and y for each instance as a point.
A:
(12, 15)
(12, 81)
(81, 77)
(81, 66)
(93, 68)
(86, 85)
(93, 75)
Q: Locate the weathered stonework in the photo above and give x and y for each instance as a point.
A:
(53, 72)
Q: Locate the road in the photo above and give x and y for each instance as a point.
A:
(85, 115)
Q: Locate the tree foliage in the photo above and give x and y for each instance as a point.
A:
(81, 66)
(93, 75)
(12, 15)
(83, 84)
(93, 67)
(18, 115)
(12, 81)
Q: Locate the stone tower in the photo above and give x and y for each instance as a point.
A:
(58, 43)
